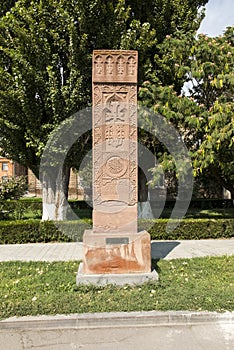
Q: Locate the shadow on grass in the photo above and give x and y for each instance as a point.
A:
(154, 265)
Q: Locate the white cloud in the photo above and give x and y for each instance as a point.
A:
(219, 15)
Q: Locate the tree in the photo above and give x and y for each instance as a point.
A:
(43, 68)
(46, 48)
(213, 89)
(205, 117)
(12, 188)
(6, 6)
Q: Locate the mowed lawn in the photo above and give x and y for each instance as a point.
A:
(37, 288)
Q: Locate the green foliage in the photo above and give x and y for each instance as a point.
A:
(193, 229)
(5, 6)
(31, 208)
(44, 61)
(205, 118)
(40, 288)
(21, 209)
(12, 188)
(45, 64)
(34, 231)
(214, 91)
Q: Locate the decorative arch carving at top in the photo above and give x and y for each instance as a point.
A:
(98, 64)
(131, 66)
(109, 65)
(120, 65)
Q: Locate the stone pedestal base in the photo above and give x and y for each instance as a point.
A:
(116, 279)
(116, 253)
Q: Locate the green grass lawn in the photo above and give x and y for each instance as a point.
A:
(218, 213)
(32, 288)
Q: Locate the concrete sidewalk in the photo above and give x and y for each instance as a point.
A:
(172, 330)
(73, 251)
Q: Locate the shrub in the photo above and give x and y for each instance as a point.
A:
(192, 229)
(32, 231)
(35, 231)
(13, 188)
(17, 209)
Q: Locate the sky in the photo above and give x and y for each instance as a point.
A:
(219, 15)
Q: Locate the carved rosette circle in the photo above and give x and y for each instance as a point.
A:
(116, 167)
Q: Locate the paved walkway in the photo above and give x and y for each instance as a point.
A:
(73, 251)
(172, 330)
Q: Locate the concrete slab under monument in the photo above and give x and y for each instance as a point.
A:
(114, 252)
(116, 279)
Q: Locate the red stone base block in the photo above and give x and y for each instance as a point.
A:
(116, 253)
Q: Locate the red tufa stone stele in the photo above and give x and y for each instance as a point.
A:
(114, 246)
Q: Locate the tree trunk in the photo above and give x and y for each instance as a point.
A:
(231, 190)
(55, 194)
(226, 183)
(144, 207)
(232, 194)
(228, 186)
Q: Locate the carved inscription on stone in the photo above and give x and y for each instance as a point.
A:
(115, 66)
(115, 143)
(114, 129)
(115, 246)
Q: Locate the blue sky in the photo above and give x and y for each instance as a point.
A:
(219, 15)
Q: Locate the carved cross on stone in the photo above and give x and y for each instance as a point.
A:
(120, 65)
(109, 65)
(99, 65)
(131, 66)
(115, 112)
(114, 246)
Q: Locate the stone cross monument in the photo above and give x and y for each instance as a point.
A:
(114, 252)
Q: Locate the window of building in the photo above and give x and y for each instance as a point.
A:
(4, 166)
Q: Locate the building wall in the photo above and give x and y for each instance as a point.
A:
(9, 168)
(34, 185)
(75, 189)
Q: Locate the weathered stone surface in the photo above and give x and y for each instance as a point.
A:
(120, 220)
(115, 66)
(114, 140)
(101, 257)
(114, 246)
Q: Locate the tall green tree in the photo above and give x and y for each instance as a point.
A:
(5, 6)
(204, 113)
(46, 48)
(213, 89)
